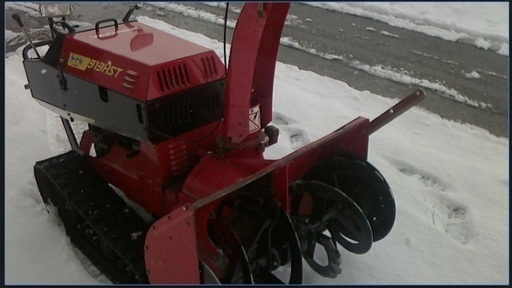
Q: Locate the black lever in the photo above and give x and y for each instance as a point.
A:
(129, 13)
(17, 18)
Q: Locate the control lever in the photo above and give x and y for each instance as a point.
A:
(17, 18)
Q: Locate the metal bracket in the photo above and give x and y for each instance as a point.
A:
(62, 80)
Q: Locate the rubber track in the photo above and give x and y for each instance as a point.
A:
(96, 219)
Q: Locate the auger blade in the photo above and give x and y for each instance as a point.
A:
(365, 185)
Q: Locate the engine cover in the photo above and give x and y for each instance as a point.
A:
(130, 79)
(139, 61)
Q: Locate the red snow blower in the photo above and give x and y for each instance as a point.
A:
(175, 135)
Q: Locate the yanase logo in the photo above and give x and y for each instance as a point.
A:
(83, 63)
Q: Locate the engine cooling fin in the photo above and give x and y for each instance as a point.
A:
(97, 220)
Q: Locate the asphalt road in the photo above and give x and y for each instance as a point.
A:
(353, 40)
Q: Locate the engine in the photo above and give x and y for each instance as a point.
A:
(145, 94)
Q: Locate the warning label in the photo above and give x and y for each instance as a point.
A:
(254, 119)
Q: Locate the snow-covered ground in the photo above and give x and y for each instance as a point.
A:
(450, 180)
(483, 24)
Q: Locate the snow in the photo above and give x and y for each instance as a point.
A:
(472, 75)
(389, 34)
(484, 24)
(403, 76)
(450, 180)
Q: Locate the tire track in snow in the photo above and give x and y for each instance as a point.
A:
(447, 214)
(452, 217)
(293, 133)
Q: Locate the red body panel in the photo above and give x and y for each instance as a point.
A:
(139, 61)
(168, 243)
(252, 61)
(153, 178)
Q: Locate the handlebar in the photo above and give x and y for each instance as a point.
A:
(34, 45)
(105, 21)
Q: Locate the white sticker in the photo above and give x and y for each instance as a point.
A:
(254, 119)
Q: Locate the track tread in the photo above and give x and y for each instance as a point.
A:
(115, 236)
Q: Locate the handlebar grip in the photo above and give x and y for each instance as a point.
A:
(105, 21)
(17, 18)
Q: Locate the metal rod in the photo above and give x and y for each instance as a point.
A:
(17, 18)
(126, 17)
(71, 136)
(395, 111)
